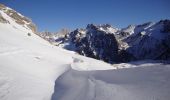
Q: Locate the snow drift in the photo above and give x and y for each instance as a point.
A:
(148, 82)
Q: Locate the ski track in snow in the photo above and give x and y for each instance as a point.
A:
(4, 85)
(11, 51)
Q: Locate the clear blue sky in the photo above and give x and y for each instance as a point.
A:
(52, 15)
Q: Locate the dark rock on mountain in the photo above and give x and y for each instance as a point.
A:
(102, 45)
(3, 20)
(135, 42)
(19, 19)
(93, 42)
(150, 42)
(125, 56)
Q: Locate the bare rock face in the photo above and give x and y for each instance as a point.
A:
(19, 19)
(93, 42)
(102, 45)
(166, 25)
(3, 20)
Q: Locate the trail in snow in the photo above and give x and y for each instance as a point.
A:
(4, 85)
(11, 51)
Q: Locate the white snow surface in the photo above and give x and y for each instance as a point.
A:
(32, 69)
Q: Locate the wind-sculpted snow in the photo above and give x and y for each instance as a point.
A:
(148, 82)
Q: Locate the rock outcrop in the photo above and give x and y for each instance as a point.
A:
(17, 17)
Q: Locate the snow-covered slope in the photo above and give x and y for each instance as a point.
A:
(32, 69)
(148, 82)
(150, 41)
(29, 65)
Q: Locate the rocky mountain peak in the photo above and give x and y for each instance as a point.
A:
(92, 42)
(17, 17)
(91, 27)
(135, 42)
(107, 28)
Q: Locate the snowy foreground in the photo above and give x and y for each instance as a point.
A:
(32, 69)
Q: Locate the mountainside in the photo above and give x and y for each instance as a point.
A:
(29, 65)
(136, 42)
(150, 41)
(17, 18)
(97, 42)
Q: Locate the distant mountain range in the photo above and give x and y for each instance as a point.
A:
(150, 40)
(136, 42)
